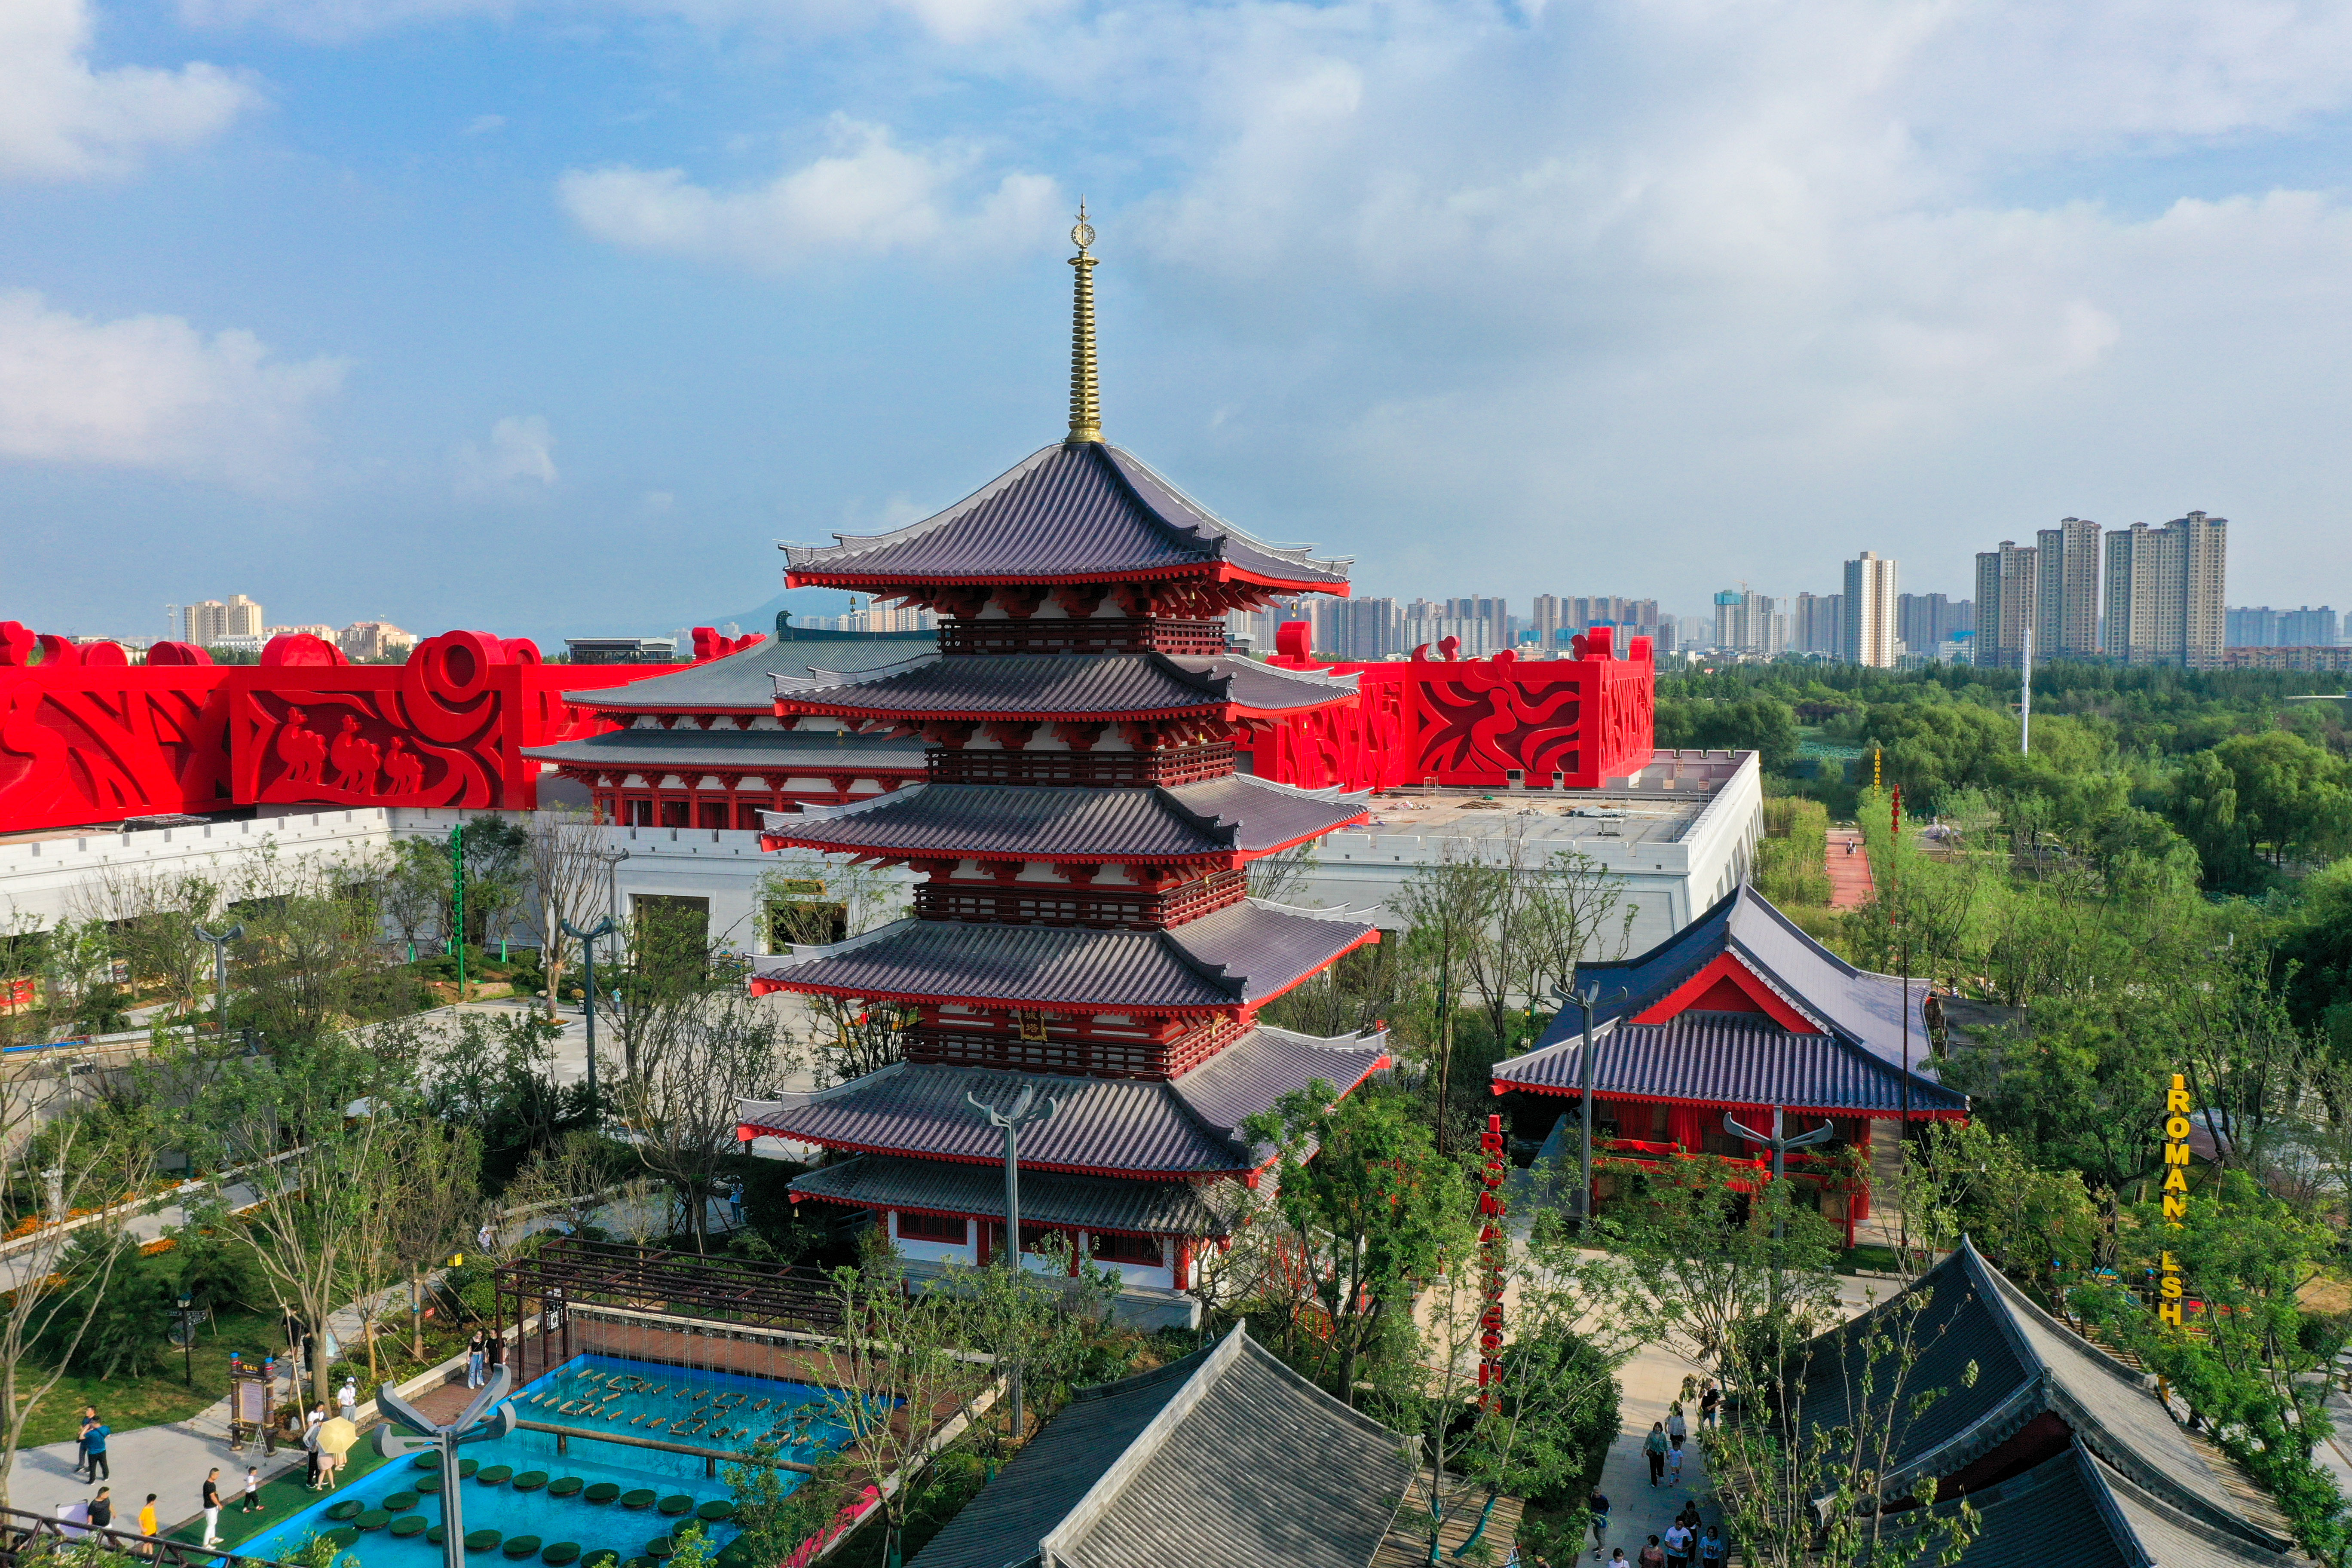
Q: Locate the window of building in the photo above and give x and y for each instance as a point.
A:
(711, 814)
(930, 1227)
(672, 814)
(1143, 1250)
(641, 813)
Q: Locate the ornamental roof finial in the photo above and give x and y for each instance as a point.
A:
(1086, 390)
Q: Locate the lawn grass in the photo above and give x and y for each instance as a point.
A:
(161, 1394)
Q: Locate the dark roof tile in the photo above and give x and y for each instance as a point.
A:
(1727, 1058)
(688, 748)
(1079, 511)
(1104, 687)
(741, 682)
(1047, 1197)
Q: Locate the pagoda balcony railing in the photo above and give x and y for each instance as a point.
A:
(1065, 1054)
(1095, 770)
(1121, 634)
(1110, 909)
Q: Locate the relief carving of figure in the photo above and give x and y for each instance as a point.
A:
(355, 759)
(301, 751)
(404, 770)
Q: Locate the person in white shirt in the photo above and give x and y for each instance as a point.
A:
(1678, 1545)
(347, 1399)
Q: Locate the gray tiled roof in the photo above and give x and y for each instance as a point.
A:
(1114, 685)
(1225, 1459)
(1238, 955)
(741, 681)
(690, 749)
(1047, 1197)
(1727, 1058)
(1077, 511)
(1865, 1008)
(2026, 1365)
(1188, 1126)
(2072, 1509)
(1221, 817)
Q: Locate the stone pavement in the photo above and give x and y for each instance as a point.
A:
(1850, 884)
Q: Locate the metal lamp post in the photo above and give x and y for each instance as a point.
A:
(1779, 1145)
(188, 1336)
(220, 974)
(1584, 1002)
(587, 939)
(1025, 1112)
(407, 1430)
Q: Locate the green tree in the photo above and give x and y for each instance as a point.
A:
(1357, 1222)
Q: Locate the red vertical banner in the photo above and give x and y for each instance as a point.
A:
(1492, 1208)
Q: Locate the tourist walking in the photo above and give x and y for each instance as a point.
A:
(1652, 1555)
(1710, 1407)
(81, 1442)
(1710, 1549)
(101, 1509)
(212, 1508)
(1676, 1428)
(1674, 1465)
(148, 1525)
(474, 1360)
(310, 1425)
(347, 1400)
(1656, 1447)
(498, 1348)
(252, 1503)
(93, 1440)
(1678, 1545)
(1598, 1506)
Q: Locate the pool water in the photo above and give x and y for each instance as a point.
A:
(588, 1394)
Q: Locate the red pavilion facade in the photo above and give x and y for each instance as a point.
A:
(1083, 925)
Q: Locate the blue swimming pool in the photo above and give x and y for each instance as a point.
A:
(528, 1506)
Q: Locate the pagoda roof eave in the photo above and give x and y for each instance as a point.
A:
(1223, 713)
(1215, 572)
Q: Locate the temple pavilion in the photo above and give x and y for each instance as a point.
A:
(1083, 925)
(1741, 1014)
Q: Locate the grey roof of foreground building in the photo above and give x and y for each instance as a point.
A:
(1727, 1058)
(2027, 1363)
(1104, 687)
(1227, 816)
(689, 749)
(745, 682)
(1243, 955)
(1189, 1126)
(2071, 1506)
(1070, 512)
(1047, 1197)
(1225, 1459)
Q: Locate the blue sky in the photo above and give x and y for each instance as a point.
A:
(553, 317)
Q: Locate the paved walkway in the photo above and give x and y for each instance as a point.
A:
(1850, 884)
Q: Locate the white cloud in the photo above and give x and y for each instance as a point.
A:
(520, 461)
(59, 119)
(151, 392)
(483, 125)
(867, 195)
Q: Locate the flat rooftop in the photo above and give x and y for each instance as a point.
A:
(1656, 805)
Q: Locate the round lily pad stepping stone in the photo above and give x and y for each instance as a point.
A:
(660, 1547)
(715, 1510)
(641, 1498)
(374, 1519)
(565, 1486)
(409, 1524)
(482, 1540)
(676, 1503)
(344, 1536)
(426, 1462)
(496, 1476)
(437, 1534)
(466, 1469)
(560, 1552)
(601, 1491)
(530, 1480)
(523, 1546)
(429, 1484)
(349, 1508)
(400, 1502)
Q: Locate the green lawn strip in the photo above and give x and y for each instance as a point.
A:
(161, 1394)
(281, 1498)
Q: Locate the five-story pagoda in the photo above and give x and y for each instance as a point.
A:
(1083, 926)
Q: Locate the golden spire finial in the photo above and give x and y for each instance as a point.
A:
(1086, 390)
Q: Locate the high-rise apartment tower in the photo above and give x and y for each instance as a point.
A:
(2008, 582)
(1870, 634)
(2066, 596)
(2164, 594)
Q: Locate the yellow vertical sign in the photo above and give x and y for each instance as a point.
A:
(2168, 1287)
